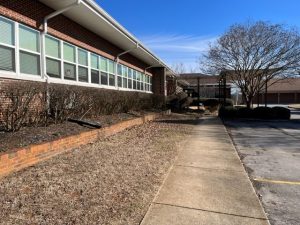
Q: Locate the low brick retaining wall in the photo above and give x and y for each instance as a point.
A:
(17, 159)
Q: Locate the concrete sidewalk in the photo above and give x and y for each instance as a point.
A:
(207, 185)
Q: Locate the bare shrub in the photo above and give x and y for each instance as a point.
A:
(23, 103)
(74, 101)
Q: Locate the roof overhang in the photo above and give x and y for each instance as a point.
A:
(91, 16)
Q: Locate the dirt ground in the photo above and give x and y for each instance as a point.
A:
(112, 181)
(35, 135)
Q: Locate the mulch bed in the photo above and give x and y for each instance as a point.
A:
(36, 135)
(111, 181)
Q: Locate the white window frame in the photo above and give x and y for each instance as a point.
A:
(41, 38)
(61, 51)
(14, 47)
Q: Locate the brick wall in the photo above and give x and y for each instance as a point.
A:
(33, 12)
(17, 159)
(159, 81)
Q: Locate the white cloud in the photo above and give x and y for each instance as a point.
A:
(175, 49)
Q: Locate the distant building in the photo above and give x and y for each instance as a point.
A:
(208, 85)
(282, 92)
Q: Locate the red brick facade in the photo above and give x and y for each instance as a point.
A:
(33, 12)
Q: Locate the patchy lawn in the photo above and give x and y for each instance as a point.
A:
(112, 181)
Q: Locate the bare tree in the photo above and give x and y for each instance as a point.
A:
(179, 68)
(255, 55)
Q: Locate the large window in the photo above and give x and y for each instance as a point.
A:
(95, 74)
(7, 45)
(103, 68)
(69, 62)
(29, 43)
(53, 63)
(111, 71)
(21, 44)
(83, 65)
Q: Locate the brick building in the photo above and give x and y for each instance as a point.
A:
(282, 92)
(74, 42)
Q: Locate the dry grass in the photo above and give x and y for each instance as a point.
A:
(112, 181)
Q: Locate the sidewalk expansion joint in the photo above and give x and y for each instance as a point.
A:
(210, 211)
(205, 168)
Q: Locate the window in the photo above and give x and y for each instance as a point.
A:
(111, 80)
(95, 79)
(29, 39)
(52, 47)
(7, 45)
(82, 57)
(120, 69)
(119, 81)
(69, 71)
(104, 78)
(7, 58)
(82, 74)
(7, 32)
(111, 66)
(63, 60)
(53, 67)
(124, 82)
(83, 65)
(94, 61)
(53, 64)
(29, 54)
(69, 53)
(104, 64)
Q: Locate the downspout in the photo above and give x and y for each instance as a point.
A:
(117, 62)
(43, 46)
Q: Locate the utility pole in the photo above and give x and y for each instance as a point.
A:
(198, 82)
(224, 90)
(266, 93)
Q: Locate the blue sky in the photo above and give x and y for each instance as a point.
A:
(180, 31)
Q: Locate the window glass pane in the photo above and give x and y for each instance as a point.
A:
(111, 65)
(104, 79)
(94, 61)
(138, 85)
(134, 85)
(29, 63)
(69, 52)
(7, 59)
(129, 73)
(69, 71)
(138, 76)
(29, 39)
(52, 47)
(134, 75)
(82, 74)
(119, 69)
(82, 57)
(104, 64)
(119, 81)
(142, 86)
(53, 67)
(7, 32)
(125, 71)
(124, 82)
(129, 83)
(111, 80)
(95, 79)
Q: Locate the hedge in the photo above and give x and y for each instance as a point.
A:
(27, 103)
